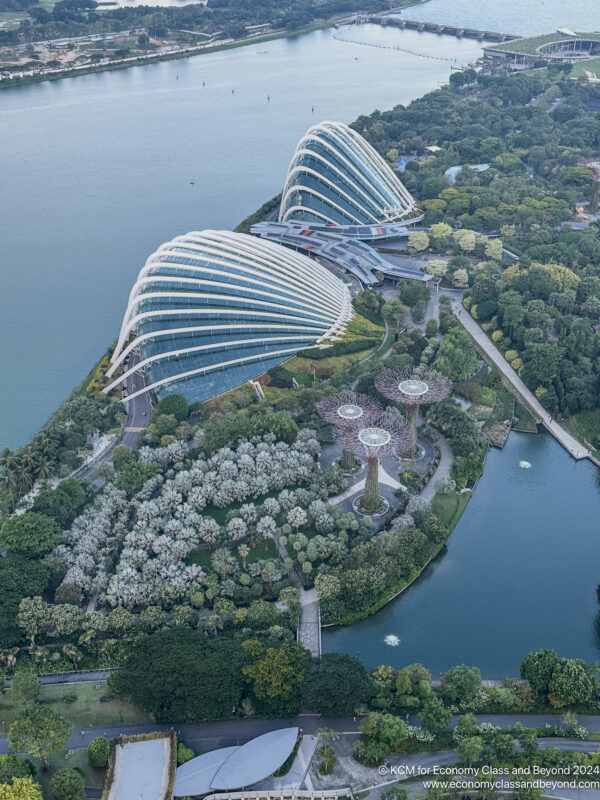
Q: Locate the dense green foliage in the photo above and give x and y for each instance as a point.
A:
(542, 312)
(228, 429)
(53, 451)
(335, 685)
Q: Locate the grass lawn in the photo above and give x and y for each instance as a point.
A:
(449, 507)
(86, 711)
(65, 759)
(525, 422)
(592, 65)
(586, 425)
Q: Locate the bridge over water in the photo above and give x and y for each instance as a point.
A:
(431, 27)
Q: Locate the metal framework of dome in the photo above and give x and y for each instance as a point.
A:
(211, 310)
(336, 176)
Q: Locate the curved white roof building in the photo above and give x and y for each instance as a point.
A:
(235, 767)
(212, 309)
(335, 176)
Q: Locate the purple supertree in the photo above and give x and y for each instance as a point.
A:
(348, 410)
(413, 386)
(385, 434)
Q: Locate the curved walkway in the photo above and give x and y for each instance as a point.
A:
(569, 442)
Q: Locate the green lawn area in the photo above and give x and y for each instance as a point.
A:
(77, 759)
(525, 422)
(592, 65)
(86, 711)
(449, 507)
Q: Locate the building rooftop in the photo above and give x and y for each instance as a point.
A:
(236, 767)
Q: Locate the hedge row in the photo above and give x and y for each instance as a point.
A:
(339, 349)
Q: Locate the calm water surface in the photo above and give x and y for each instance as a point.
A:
(525, 18)
(97, 171)
(520, 572)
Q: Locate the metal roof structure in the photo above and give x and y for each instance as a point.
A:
(345, 246)
(233, 768)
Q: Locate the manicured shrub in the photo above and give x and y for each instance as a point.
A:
(98, 751)
(67, 784)
(184, 753)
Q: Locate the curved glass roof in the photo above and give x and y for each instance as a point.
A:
(213, 309)
(335, 176)
(235, 767)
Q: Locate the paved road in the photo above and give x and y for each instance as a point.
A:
(138, 417)
(206, 736)
(71, 677)
(569, 442)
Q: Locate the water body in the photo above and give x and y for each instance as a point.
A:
(519, 573)
(99, 170)
(526, 18)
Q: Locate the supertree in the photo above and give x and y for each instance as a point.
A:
(348, 410)
(414, 387)
(387, 433)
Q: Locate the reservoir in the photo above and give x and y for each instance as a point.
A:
(519, 573)
(99, 170)
(527, 18)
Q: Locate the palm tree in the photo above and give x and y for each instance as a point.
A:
(41, 654)
(9, 657)
(72, 653)
(43, 469)
(87, 638)
(243, 550)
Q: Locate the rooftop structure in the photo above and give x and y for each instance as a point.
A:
(336, 177)
(233, 768)
(142, 767)
(562, 45)
(211, 310)
(344, 246)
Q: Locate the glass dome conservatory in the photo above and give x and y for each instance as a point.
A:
(211, 310)
(336, 177)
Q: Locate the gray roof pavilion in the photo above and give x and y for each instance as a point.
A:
(235, 767)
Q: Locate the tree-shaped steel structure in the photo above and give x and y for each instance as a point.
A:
(414, 387)
(348, 410)
(385, 434)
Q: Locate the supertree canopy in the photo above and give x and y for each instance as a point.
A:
(348, 410)
(413, 386)
(387, 433)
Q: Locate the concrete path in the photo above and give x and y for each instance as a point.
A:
(383, 477)
(569, 442)
(442, 471)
